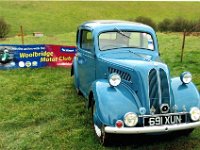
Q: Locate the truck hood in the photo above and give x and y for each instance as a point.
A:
(132, 60)
(144, 75)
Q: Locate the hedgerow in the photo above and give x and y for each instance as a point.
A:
(4, 28)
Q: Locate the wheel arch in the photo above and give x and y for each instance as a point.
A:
(104, 96)
(185, 94)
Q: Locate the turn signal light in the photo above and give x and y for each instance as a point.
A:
(119, 123)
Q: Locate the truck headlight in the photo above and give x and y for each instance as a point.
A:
(186, 77)
(195, 114)
(114, 79)
(130, 119)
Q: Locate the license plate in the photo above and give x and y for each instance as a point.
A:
(164, 120)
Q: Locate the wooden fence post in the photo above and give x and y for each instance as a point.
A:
(183, 45)
(22, 34)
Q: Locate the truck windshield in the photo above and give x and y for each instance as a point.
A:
(125, 39)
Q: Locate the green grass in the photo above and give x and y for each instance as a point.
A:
(62, 17)
(170, 49)
(58, 39)
(39, 108)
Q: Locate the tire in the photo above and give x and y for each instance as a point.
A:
(78, 91)
(100, 133)
(186, 132)
(183, 132)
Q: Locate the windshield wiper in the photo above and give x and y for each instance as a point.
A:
(146, 59)
(122, 33)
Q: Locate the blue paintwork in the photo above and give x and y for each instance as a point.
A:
(116, 104)
(184, 94)
(75, 72)
(112, 103)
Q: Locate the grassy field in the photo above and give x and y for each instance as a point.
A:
(60, 39)
(62, 17)
(39, 108)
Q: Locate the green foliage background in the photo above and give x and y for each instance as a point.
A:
(61, 17)
(39, 108)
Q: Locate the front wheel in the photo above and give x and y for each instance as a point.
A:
(100, 133)
(186, 132)
(183, 132)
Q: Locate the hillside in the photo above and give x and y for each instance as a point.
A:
(61, 17)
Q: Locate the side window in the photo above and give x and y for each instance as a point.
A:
(86, 40)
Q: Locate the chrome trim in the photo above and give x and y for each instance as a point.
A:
(164, 111)
(154, 129)
(129, 114)
(168, 114)
(169, 89)
(159, 86)
(168, 79)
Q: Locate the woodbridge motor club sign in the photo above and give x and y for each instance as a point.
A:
(36, 56)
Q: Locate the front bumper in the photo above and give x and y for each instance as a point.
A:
(153, 129)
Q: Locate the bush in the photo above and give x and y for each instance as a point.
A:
(180, 24)
(165, 25)
(197, 26)
(4, 28)
(147, 21)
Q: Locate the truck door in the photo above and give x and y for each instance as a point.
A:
(86, 60)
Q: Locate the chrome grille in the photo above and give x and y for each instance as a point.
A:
(124, 75)
(158, 89)
(164, 87)
(153, 89)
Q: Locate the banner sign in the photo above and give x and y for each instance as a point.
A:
(36, 56)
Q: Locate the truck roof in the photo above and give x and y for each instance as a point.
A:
(109, 24)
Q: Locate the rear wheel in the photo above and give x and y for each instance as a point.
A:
(100, 133)
(78, 91)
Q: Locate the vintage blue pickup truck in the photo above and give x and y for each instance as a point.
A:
(129, 90)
